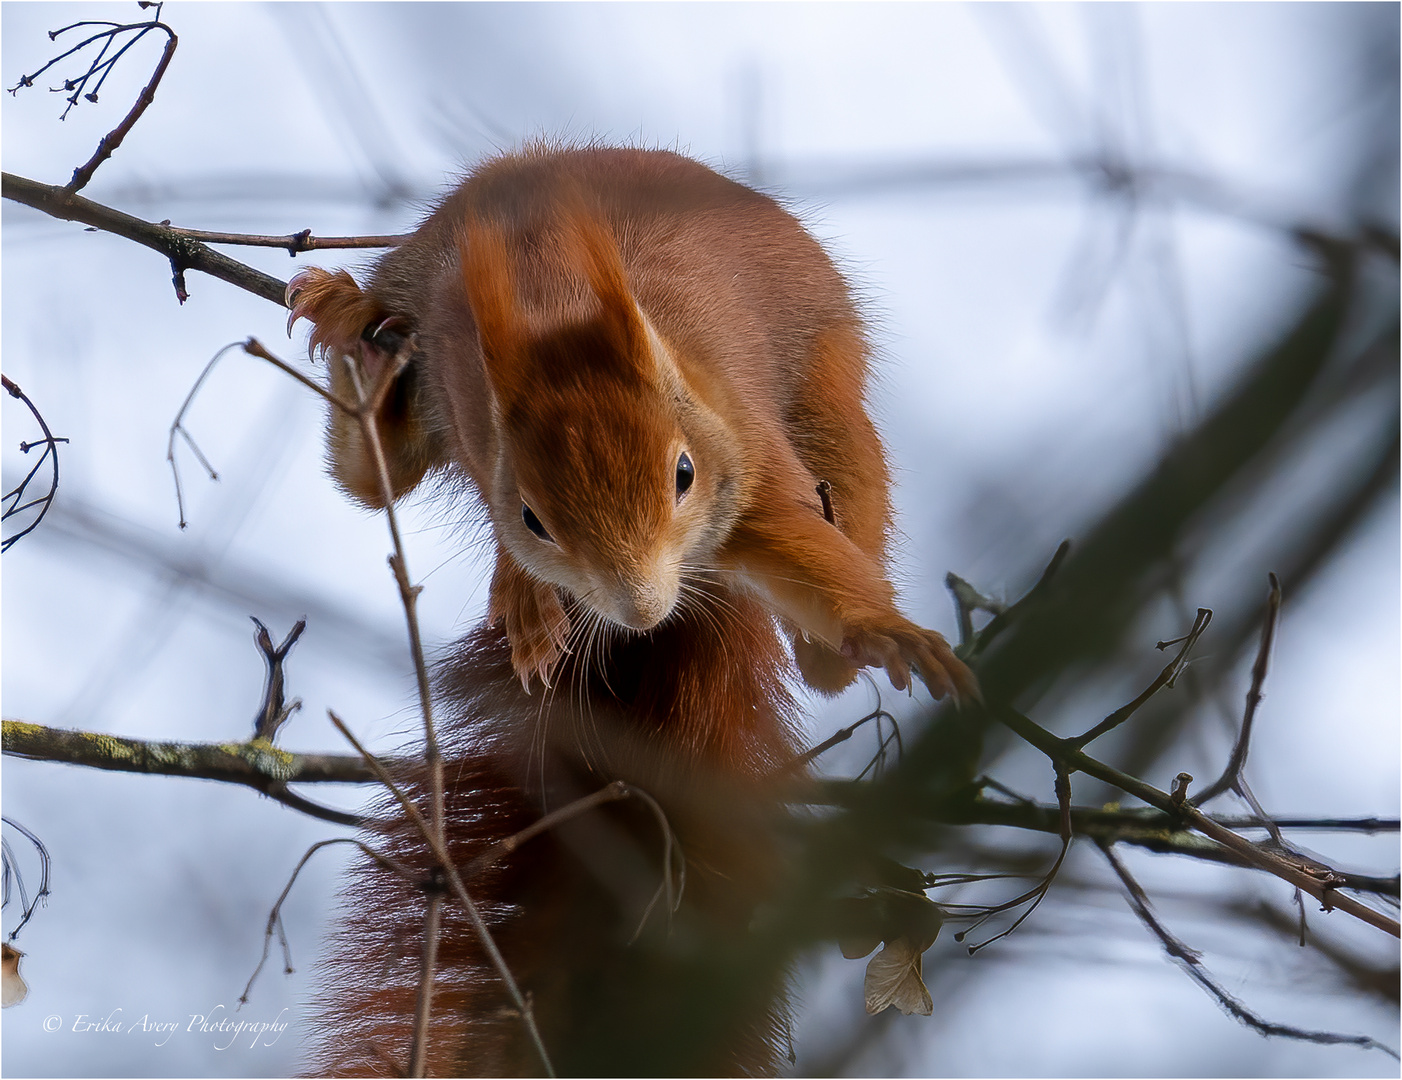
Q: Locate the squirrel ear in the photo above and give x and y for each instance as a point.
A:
(491, 294)
(593, 248)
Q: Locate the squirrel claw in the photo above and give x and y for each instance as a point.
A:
(294, 297)
(535, 622)
(904, 648)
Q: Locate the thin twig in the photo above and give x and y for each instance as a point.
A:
(878, 762)
(27, 905)
(177, 427)
(1231, 775)
(102, 65)
(1034, 896)
(1166, 678)
(275, 916)
(1003, 619)
(293, 243)
(113, 138)
(254, 347)
(273, 712)
(614, 792)
(1191, 962)
(808, 756)
(423, 1004)
(366, 412)
(673, 892)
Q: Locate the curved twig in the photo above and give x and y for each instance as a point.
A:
(14, 499)
(275, 916)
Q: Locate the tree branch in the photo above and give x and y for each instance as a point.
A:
(292, 243)
(1065, 753)
(257, 763)
(113, 138)
(183, 253)
(1192, 964)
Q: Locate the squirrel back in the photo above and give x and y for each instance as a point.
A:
(653, 379)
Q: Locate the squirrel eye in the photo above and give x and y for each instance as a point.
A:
(686, 473)
(533, 523)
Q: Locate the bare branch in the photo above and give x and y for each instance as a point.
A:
(1191, 962)
(1034, 896)
(183, 253)
(1166, 678)
(1004, 616)
(275, 916)
(28, 905)
(808, 756)
(423, 1004)
(177, 427)
(113, 138)
(272, 713)
(257, 764)
(293, 243)
(1062, 750)
(254, 347)
(614, 792)
(366, 411)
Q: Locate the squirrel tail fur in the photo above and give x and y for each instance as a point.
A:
(696, 714)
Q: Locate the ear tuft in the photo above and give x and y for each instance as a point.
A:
(590, 246)
(491, 294)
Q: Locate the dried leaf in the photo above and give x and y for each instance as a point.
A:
(12, 988)
(893, 978)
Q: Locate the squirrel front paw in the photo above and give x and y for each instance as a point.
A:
(899, 647)
(534, 620)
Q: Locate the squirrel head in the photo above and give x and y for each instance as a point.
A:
(612, 477)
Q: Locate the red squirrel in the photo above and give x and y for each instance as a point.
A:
(644, 371)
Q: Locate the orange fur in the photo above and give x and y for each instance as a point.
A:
(588, 324)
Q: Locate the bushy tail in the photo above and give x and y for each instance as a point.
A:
(696, 716)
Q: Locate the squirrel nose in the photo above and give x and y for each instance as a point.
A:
(640, 604)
